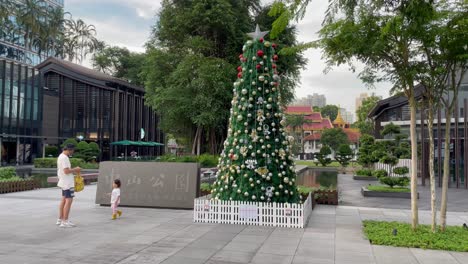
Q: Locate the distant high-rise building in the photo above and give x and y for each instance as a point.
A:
(13, 44)
(318, 100)
(359, 100)
(347, 116)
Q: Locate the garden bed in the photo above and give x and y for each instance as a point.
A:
(364, 178)
(396, 234)
(18, 185)
(384, 191)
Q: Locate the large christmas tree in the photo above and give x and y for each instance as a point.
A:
(256, 164)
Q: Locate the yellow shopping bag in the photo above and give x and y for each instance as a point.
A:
(79, 183)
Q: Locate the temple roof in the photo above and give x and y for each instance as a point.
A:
(339, 120)
(299, 110)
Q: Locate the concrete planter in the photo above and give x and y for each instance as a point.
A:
(366, 193)
(364, 178)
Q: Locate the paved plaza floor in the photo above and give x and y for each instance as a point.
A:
(350, 194)
(28, 235)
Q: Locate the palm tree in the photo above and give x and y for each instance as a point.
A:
(29, 15)
(80, 40)
(296, 123)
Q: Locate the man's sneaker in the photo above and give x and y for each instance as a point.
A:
(64, 225)
(71, 224)
(59, 222)
(119, 213)
(114, 216)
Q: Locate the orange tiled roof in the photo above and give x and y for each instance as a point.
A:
(353, 135)
(299, 110)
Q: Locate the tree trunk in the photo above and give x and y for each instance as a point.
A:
(199, 141)
(414, 163)
(430, 125)
(195, 140)
(445, 179)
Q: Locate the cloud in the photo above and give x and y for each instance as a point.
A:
(146, 9)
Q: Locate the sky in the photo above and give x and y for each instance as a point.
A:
(128, 23)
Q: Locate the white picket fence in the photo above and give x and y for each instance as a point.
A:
(252, 213)
(389, 168)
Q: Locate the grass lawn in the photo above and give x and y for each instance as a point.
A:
(455, 238)
(378, 188)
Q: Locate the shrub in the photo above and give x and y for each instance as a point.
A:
(380, 173)
(401, 170)
(389, 159)
(51, 151)
(208, 160)
(69, 141)
(322, 156)
(45, 163)
(7, 173)
(12, 179)
(395, 181)
(205, 187)
(93, 150)
(364, 172)
(344, 155)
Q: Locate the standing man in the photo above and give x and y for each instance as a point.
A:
(67, 183)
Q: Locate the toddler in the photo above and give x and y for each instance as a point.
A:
(115, 199)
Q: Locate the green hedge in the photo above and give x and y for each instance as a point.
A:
(44, 163)
(12, 179)
(380, 173)
(7, 173)
(205, 160)
(364, 172)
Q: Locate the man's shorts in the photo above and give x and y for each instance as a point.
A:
(70, 193)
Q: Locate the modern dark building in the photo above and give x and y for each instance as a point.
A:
(58, 100)
(82, 103)
(396, 110)
(12, 42)
(20, 112)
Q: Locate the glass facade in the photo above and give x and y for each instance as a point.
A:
(20, 112)
(12, 42)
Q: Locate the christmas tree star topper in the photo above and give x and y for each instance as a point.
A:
(257, 34)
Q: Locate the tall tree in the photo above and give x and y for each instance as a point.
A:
(334, 137)
(364, 123)
(296, 124)
(29, 15)
(80, 40)
(382, 35)
(330, 111)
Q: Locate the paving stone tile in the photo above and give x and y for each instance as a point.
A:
(392, 255)
(183, 260)
(461, 257)
(311, 260)
(433, 256)
(196, 253)
(261, 258)
(232, 256)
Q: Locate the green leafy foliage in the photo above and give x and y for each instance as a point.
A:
(344, 154)
(395, 181)
(208, 160)
(7, 172)
(330, 111)
(364, 123)
(51, 151)
(390, 130)
(334, 138)
(455, 238)
(322, 156)
(52, 163)
(69, 141)
(379, 173)
(364, 172)
(205, 187)
(380, 188)
(389, 159)
(401, 170)
(365, 152)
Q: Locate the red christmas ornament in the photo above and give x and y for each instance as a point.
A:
(260, 53)
(258, 66)
(275, 57)
(273, 66)
(239, 75)
(261, 40)
(274, 45)
(239, 69)
(231, 156)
